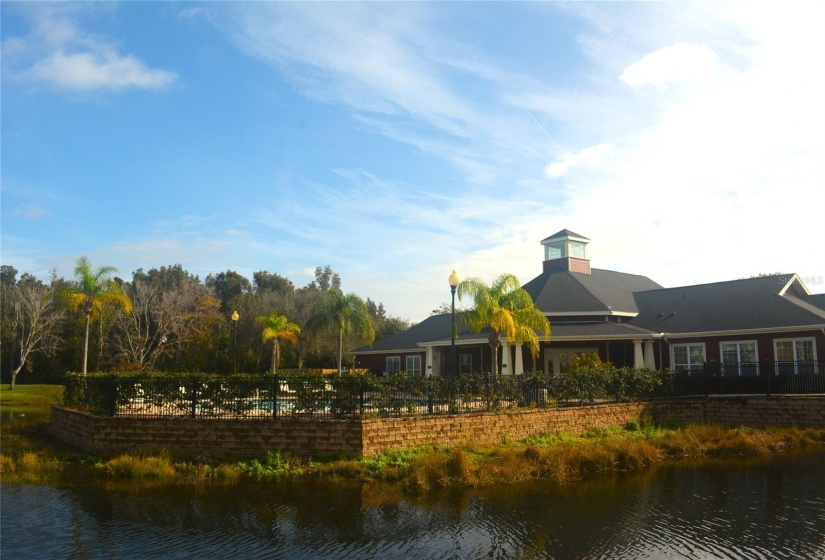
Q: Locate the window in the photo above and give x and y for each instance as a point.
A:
(465, 364)
(795, 352)
(414, 364)
(688, 358)
(577, 250)
(739, 358)
(555, 251)
(393, 364)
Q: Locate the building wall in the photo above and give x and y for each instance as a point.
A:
(356, 438)
(764, 344)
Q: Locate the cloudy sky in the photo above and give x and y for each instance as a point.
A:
(398, 141)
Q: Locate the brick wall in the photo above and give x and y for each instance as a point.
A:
(758, 411)
(354, 438)
(236, 438)
(491, 427)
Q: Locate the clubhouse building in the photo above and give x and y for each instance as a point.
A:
(744, 325)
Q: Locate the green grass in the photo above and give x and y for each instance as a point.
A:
(31, 396)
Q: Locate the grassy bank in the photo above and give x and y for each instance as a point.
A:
(30, 455)
(30, 396)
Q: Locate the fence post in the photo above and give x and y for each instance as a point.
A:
(361, 396)
(429, 396)
(275, 385)
(707, 379)
(767, 371)
(193, 396)
(112, 395)
(487, 390)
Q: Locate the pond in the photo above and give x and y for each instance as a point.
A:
(767, 508)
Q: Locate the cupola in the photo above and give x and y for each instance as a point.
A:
(567, 250)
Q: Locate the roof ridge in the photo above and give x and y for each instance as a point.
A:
(575, 276)
(751, 279)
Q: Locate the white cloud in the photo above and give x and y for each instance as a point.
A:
(31, 211)
(60, 55)
(97, 70)
(588, 157)
(679, 63)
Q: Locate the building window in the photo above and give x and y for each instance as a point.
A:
(577, 250)
(465, 364)
(688, 358)
(393, 364)
(555, 251)
(414, 364)
(795, 353)
(739, 358)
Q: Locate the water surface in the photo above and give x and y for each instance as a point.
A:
(766, 508)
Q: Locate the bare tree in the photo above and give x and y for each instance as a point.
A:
(165, 317)
(35, 320)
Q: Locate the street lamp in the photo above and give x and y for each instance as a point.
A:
(454, 280)
(235, 317)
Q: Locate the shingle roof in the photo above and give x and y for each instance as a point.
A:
(750, 303)
(564, 233)
(817, 300)
(431, 328)
(561, 291)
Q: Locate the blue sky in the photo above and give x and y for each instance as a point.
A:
(398, 141)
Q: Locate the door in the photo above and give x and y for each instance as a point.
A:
(556, 359)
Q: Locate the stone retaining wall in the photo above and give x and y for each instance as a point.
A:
(248, 438)
(214, 437)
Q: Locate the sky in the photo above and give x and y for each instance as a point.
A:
(397, 141)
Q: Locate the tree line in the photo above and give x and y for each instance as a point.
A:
(168, 319)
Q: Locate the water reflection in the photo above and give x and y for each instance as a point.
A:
(757, 509)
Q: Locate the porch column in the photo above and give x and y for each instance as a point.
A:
(519, 359)
(429, 371)
(650, 359)
(638, 356)
(506, 367)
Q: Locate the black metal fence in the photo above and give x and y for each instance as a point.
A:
(297, 396)
(363, 396)
(751, 378)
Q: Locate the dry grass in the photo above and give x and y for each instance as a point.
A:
(567, 458)
(30, 468)
(129, 467)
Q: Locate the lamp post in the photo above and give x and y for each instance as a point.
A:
(454, 280)
(235, 317)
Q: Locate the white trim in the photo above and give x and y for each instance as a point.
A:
(796, 358)
(814, 310)
(590, 313)
(470, 354)
(741, 332)
(789, 283)
(688, 344)
(755, 347)
(387, 365)
(407, 363)
(416, 350)
(739, 361)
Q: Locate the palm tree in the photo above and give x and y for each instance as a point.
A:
(345, 313)
(277, 328)
(94, 289)
(507, 310)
